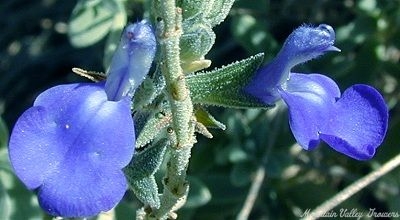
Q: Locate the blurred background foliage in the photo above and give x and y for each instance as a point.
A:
(36, 53)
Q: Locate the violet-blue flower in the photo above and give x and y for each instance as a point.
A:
(71, 146)
(353, 123)
(132, 60)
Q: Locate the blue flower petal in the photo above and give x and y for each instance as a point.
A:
(72, 139)
(81, 189)
(359, 123)
(309, 97)
(33, 148)
(84, 116)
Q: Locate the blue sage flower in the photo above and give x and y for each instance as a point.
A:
(71, 146)
(353, 123)
(131, 61)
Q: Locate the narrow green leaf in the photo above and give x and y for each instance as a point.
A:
(207, 119)
(92, 20)
(153, 127)
(224, 86)
(146, 162)
(148, 93)
(146, 191)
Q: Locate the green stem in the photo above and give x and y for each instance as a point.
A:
(175, 184)
(178, 93)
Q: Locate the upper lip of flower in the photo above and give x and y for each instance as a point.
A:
(307, 39)
(139, 33)
(328, 30)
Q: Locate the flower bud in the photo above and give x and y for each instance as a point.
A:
(131, 61)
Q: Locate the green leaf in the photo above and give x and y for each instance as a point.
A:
(198, 19)
(213, 11)
(218, 10)
(146, 162)
(197, 39)
(207, 119)
(146, 190)
(140, 173)
(147, 92)
(191, 8)
(224, 86)
(153, 127)
(92, 20)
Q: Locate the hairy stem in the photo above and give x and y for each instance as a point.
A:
(353, 189)
(178, 93)
(182, 132)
